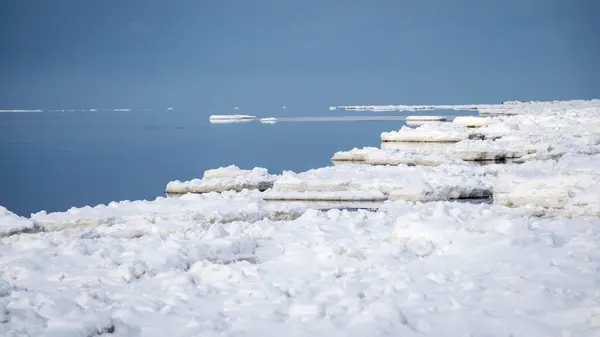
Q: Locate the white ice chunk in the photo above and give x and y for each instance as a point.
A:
(444, 180)
(375, 156)
(545, 191)
(269, 120)
(11, 223)
(454, 153)
(162, 214)
(548, 183)
(441, 133)
(425, 118)
(473, 121)
(500, 149)
(586, 201)
(224, 179)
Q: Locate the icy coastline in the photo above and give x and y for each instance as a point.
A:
(239, 252)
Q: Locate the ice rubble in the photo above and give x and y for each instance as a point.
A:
(11, 224)
(224, 179)
(473, 121)
(352, 183)
(432, 269)
(569, 183)
(506, 108)
(167, 214)
(439, 133)
(375, 156)
(449, 132)
(357, 182)
(455, 153)
(232, 263)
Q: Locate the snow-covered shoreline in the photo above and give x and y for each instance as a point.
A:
(242, 255)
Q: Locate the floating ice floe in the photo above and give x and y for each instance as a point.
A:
(230, 117)
(269, 120)
(164, 215)
(230, 178)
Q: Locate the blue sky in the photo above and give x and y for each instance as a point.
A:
(304, 54)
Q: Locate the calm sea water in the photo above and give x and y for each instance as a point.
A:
(56, 160)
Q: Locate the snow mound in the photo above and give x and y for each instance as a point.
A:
(269, 120)
(11, 224)
(230, 178)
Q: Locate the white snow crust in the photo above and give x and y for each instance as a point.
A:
(434, 269)
(11, 223)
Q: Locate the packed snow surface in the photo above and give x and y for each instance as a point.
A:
(237, 263)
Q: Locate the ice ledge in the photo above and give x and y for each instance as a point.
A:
(230, 178)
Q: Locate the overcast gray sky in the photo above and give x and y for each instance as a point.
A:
(303, 54)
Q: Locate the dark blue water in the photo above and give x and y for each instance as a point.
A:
(55, 160)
